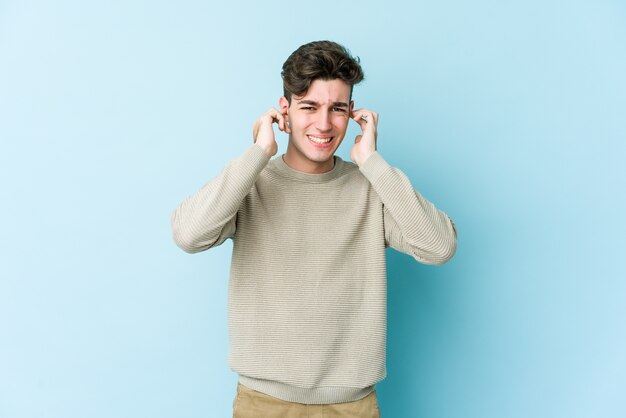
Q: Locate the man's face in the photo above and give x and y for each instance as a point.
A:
(318, 122)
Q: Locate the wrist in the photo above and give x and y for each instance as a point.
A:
(269, 149)
(361, 159)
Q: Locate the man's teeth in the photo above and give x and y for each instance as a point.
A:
(320, 140)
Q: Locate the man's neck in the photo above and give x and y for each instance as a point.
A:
(307, 166)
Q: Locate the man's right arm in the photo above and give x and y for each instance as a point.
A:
(207, 218)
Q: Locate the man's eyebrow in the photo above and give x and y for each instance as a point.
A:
(314, 103)
(309, 102)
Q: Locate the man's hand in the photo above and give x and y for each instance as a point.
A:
(263, 131)
(364, 144)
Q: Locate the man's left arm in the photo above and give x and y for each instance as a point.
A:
(413, 225)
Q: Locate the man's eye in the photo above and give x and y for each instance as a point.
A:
(338, 109)
(307, 108)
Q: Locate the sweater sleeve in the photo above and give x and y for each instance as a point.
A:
(412, 224)
(208, 217)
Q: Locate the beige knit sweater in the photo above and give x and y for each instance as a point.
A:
(307, 293)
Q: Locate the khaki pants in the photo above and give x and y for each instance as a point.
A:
(252, 404)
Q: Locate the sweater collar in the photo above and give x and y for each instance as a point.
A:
(282, 168)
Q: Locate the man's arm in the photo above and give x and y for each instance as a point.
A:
(207, 218)
(413, 225)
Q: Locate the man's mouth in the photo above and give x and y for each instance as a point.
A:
(320, 140)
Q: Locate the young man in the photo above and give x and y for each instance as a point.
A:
(307, 293)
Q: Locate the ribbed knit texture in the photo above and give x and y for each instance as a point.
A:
(307, 294)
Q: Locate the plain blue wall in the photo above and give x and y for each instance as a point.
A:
(508, 115)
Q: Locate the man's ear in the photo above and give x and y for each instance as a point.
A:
(283, 105)
(351, 106)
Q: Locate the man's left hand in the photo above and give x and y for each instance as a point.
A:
(364, 144)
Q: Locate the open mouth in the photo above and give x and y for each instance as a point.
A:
(321, 141)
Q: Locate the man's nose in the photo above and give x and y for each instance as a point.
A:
(323, 122)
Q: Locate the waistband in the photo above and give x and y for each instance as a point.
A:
(320, 395)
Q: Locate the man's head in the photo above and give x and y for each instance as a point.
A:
(317, 80)
(319, 60)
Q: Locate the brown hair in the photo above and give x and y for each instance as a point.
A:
(319, 60)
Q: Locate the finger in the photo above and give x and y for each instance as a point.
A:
(272, 113)
(366, 120)
(358, 139)
(281, 123)
(364, 116)
(274, 116)
(369, 117)
(357, 116)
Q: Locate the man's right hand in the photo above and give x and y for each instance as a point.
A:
(263, 131)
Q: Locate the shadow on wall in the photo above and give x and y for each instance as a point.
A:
(420, 330)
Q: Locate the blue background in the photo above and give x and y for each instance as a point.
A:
(508, 115)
